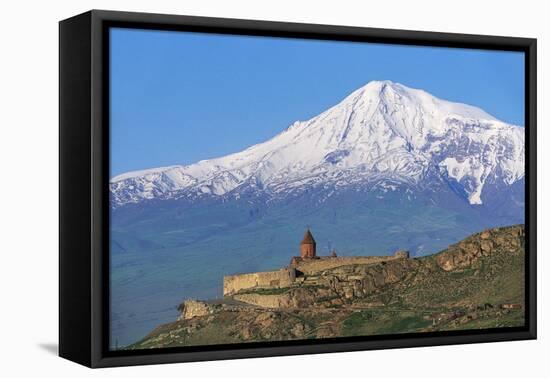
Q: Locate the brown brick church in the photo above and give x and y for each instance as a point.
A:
(308, 247)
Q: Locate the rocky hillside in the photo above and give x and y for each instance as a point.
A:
(476, 283)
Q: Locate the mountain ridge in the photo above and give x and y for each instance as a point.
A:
(381, 130)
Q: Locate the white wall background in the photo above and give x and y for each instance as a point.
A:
(29, 185)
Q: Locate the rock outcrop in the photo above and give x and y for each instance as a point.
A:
(465, 253)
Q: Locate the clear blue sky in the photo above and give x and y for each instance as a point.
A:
(178, 97)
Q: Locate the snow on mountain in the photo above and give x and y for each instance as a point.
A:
(382, 130)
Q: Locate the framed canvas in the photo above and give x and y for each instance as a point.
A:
(236, 188)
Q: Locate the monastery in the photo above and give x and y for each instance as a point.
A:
(307, 264)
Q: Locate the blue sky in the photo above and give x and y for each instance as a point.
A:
(179, 97)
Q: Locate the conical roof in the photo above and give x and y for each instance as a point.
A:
(308, 238)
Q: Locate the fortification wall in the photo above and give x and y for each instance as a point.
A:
(286, 277)
(268, 301)
(274, 279)
(192, 308)
(313, 266)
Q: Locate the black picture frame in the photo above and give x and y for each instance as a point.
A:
(83, 180)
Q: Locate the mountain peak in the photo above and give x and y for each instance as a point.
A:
(392, 93)
(375, 89)
(380, 84)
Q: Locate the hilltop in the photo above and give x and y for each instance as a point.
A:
(476, 283)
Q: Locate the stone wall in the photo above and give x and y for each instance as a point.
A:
(296, 297)
(313, 266)
(192, 308)
(286, 277)
(274, 279)
(402, 254)
(267, 301)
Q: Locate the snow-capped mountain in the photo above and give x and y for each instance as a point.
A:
(383, 133)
